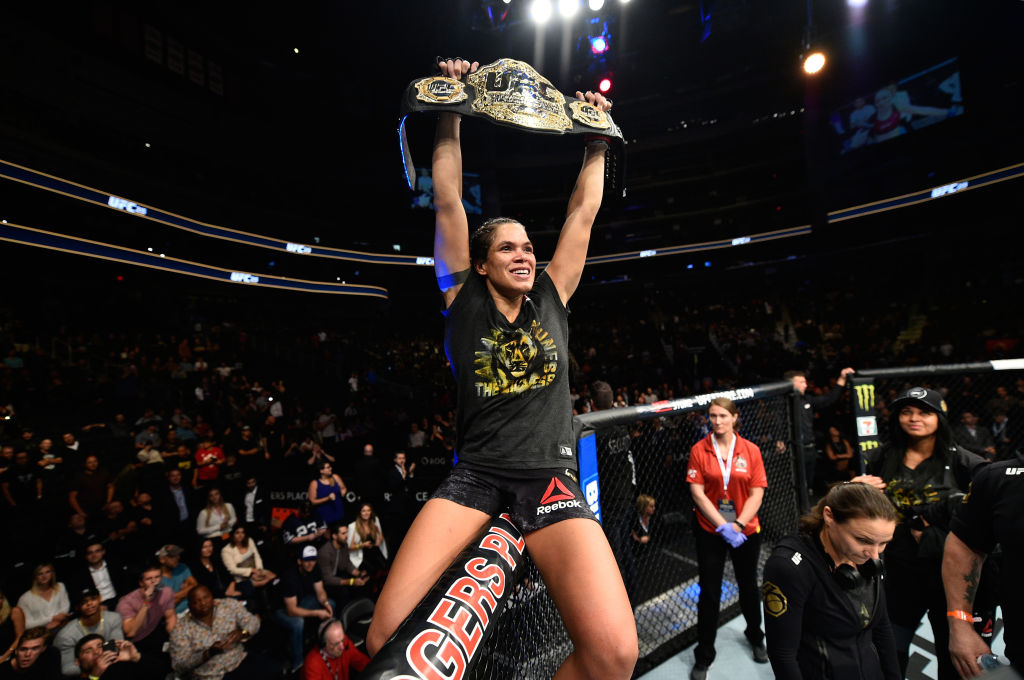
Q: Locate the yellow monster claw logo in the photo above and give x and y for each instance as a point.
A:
(516, 361)
(775, 602)
(865, 396)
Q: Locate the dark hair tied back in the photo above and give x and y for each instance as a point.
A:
(849, 500)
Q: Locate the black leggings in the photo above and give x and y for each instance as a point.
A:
(711, 552)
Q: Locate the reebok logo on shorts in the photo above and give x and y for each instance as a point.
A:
(556, 497)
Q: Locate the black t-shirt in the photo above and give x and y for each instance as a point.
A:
(298, 582)
(993, 513)
(513, 387)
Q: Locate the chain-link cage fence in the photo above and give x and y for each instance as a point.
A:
(985, 402)
(644, 451)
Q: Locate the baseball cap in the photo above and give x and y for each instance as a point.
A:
(83, 594)
(169, 550)
(309, 553)
(921, 397)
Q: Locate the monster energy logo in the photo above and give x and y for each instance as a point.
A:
(865, 397)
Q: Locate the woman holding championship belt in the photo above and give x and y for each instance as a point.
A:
(727, 481)
(506, 336)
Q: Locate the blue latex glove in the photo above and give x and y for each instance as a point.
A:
(730, 535)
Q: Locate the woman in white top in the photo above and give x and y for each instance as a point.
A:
(217, 518)
(46, 602)
(366, 539)
(243, 562)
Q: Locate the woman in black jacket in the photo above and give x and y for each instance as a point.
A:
(924, 474)
(824, 604)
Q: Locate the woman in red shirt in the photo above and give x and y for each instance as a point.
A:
(727, 480)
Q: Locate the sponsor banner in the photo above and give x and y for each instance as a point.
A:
(586, 452)
(444, 637)
(863, 389)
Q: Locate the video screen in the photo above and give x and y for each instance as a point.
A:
(472, 194)
(898, 108)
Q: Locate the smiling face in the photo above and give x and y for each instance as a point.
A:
(918, 422)
(511, 265)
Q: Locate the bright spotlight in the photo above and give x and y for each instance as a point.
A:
(595, 5)
(598, 45)
(605, 85)
(814, 62)
(567, 8)
(857, 3)
(540, 11)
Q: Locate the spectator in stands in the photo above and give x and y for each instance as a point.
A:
(12, 626)
(303, 527)
(976, 439)
(118, 530)
(806, 406)
(92, 619)
(91, 488)
(175, 576)
(400, 501)
(327, 494)
(209, 459)
(209, 643)
(367, 547)
(343, 580)
(839, 452)
(727, 480)
(46, 602)
(217, 518)
(1007, 436)
(209, 570)
(97, 658)
(144, 609)
(32, 660)
(174, 507)
(107, 577)
(924, 473)
(302, 589)
(370, 476)
(334, 657)
(150, 435)
(417, 438)
(243, 561)
(71, 544)
(255, 506)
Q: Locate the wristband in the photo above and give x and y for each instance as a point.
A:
(961, 614)
(740, 524)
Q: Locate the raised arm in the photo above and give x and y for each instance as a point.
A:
(451, 227)
(566, 266)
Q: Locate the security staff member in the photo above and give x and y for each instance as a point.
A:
(807, 404)
(824, 605)
(992, 513)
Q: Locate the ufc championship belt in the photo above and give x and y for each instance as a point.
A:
(511, 93)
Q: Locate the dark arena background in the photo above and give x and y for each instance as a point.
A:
(186, 181)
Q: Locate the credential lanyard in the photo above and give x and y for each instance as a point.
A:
(726, 467)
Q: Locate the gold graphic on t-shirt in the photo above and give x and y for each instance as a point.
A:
(513, 362)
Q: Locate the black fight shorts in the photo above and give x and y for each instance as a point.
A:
(533, 498)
